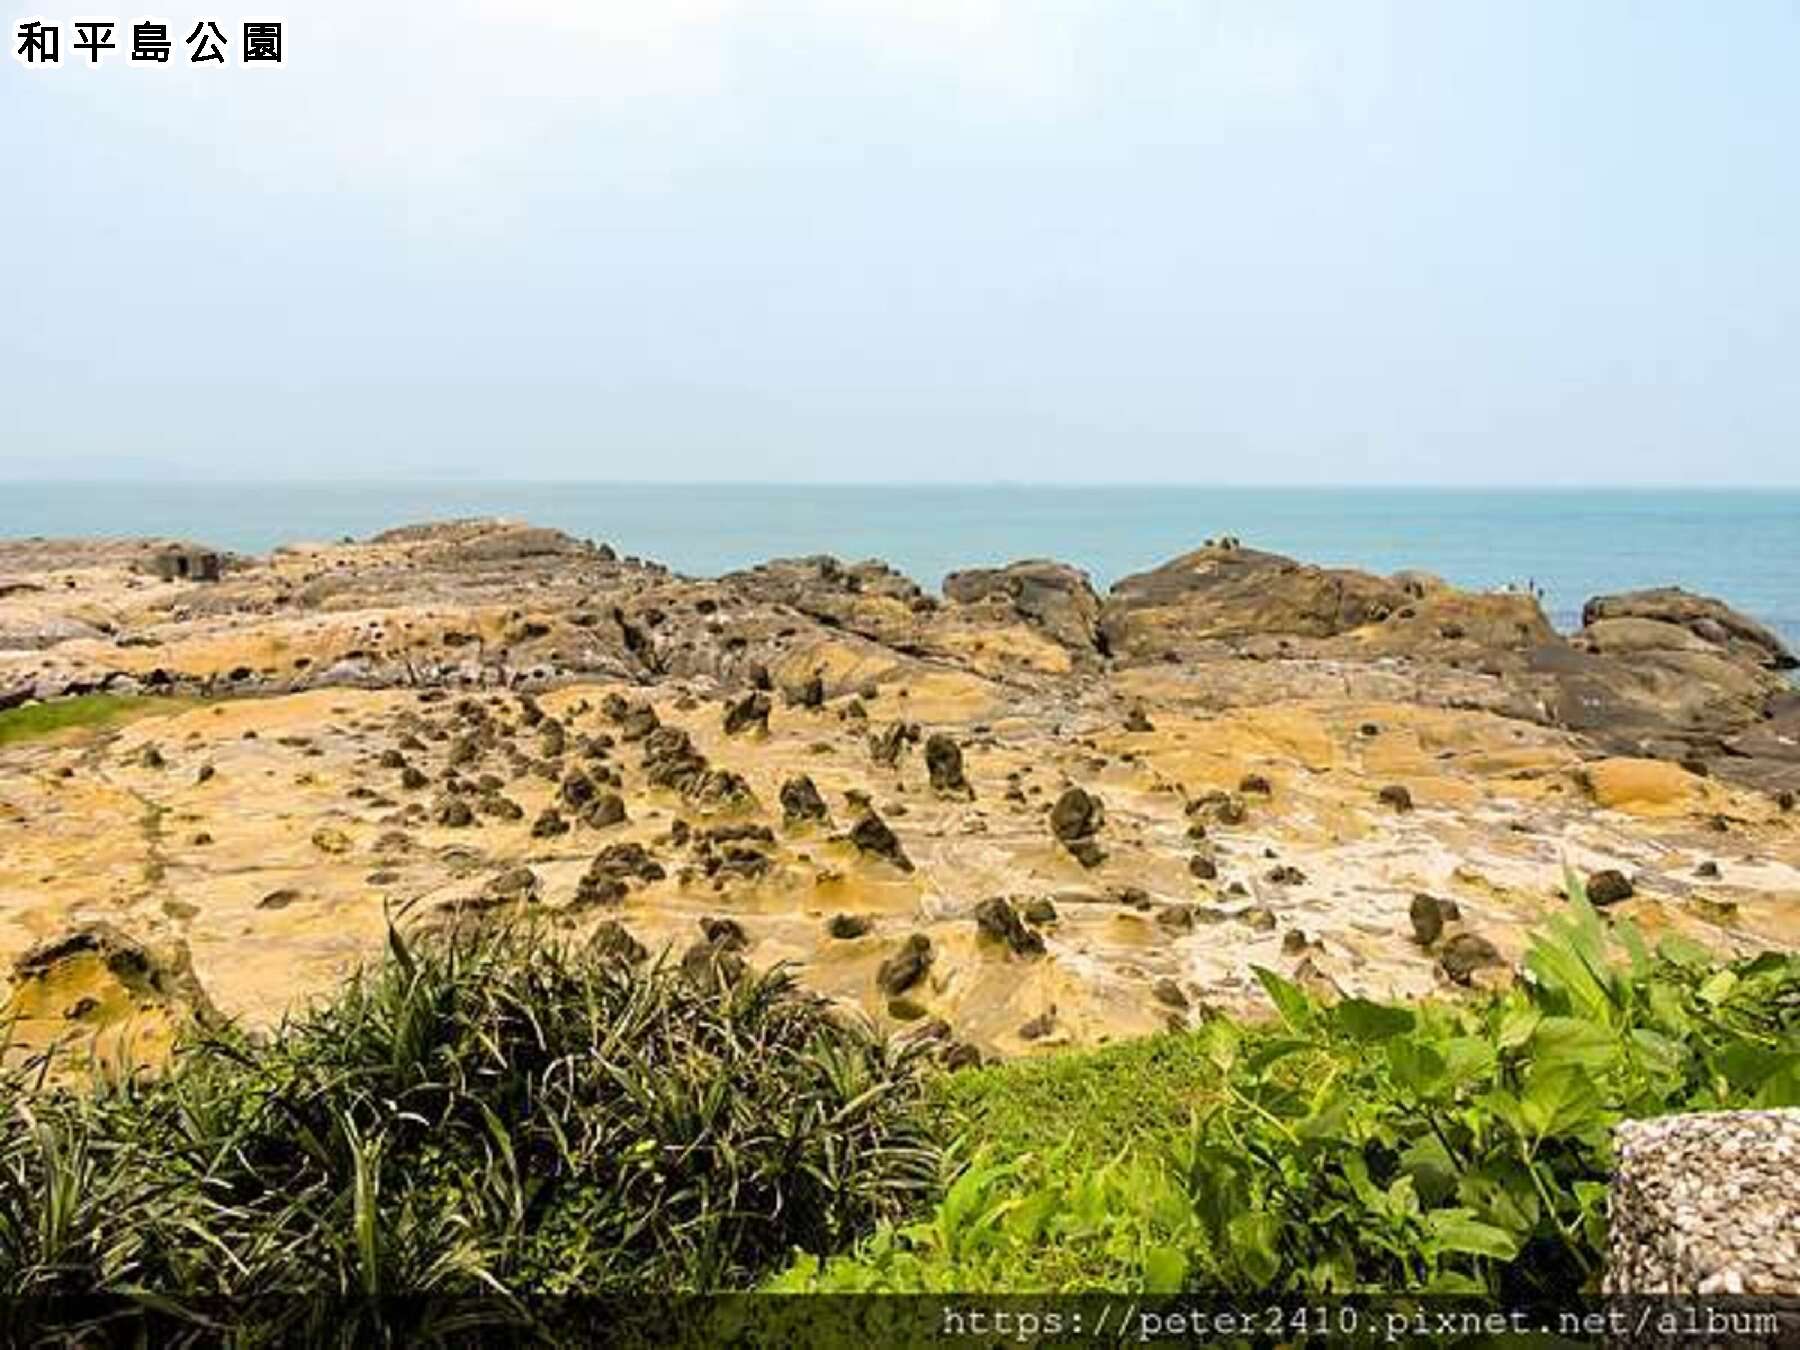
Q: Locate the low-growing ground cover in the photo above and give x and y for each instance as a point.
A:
(90, 710)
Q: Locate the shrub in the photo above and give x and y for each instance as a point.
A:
(482, 1113)
(1364, 1146)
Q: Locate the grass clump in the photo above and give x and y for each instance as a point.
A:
(88, 710)
(495, 1113)
(1352, 1147)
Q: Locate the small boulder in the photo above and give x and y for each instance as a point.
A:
(1397, 796)
(1429, 914)
(871, 835)
(749, 713)
(1608, 887)
(999, 921)
(1077, 815)
(906, 967)
(613, 941)
(801, 802)
(605, 810)
(1465, 954)
(944, 762)
(453, 813)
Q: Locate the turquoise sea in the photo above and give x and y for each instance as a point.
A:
(1743, 546)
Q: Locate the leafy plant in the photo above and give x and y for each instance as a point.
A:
(500, 1112)
(1458, 1148)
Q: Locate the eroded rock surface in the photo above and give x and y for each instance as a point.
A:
(1369, 783)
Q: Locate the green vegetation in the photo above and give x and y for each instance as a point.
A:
(89, 710)
(1362, 1146)
(503, 1113)
(511, 1113)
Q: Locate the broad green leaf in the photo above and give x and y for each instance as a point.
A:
(1780, 1088)
(1457, 1230)
(1745, 1064)
(1290, 1000)
(1684, 951)
(1516, 1026)
(1369, 1022)
(1559, 1101)
(1430, 1166)
(1415, 1066)
(1658, 1053)
(1402, 1198)
(1500, 1192)
(1330, 1121)
(1466, 1058)
(1575, 1042)
(1718, 987)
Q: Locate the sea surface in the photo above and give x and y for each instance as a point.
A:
(1743, 546)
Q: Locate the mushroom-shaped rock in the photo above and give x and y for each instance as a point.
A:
(944, 762)
(906, 967)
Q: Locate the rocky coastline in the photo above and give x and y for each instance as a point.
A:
(1012, 814)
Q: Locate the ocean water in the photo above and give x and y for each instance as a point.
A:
(1743, 546)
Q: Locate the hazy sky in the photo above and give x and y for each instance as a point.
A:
(1054, 240)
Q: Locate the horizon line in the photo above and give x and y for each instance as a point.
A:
(196, 479)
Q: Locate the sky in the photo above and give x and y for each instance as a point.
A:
(1063, 241)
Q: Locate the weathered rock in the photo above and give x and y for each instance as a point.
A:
(1077, 815)
(749, 713)
(801, 802)
(1429, 914)
(605, 810)
(1050, 596)
(871, 835)
(906, 967)
(1467, 953)
(607, 880)
(614, 941)
(944, 762)
(1711, 621)
(452, 813)
(1608, 887)
(1227, 592)
(1396, 795)
(999, 921)
(886, 746)
(848, 926)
